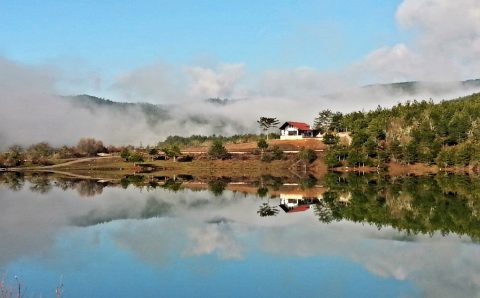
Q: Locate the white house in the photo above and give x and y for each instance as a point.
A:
(291, 130)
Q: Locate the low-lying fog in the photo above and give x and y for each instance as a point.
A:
(32, 112)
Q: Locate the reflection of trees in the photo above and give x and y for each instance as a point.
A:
(266, 210)
(152, 185)
(262, 192)
(217, 186)
(89, 188)
(172, 185)
(64, 183)
(136, 180)
(14, 180)
(44, 182)
(40, 183)
(84, 187)
(324, 212)
(154, 208)
(270, 181)
(307, 182)
(447, 204)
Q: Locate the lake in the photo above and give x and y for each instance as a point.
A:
(338, 236)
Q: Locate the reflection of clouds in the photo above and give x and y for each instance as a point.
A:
(219, 239)
(29, 221)
(155, 241)
(439, 266)
(228, 228)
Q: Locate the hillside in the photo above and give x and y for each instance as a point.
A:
(403, 88)
(153, 113)
(157, 114)
(445, 133)
(416, 87)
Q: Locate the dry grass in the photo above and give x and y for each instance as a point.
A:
(286, 145)
(116, 168)
(241, 165)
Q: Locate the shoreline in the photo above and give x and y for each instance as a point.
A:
(251, 167)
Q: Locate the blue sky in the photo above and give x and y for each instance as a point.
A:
(119, 35)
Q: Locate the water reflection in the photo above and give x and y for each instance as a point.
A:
(266, 210)
(297, 202)
(44, 182)
(231, 230)
(425, 204)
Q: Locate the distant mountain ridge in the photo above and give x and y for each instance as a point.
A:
(179, 115)
(153, 113)
(404, 88)
(412, 87)
(226, 116)
(157, 114)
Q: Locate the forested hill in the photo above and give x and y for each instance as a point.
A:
(152, 113)
(163, 119)
(446, 133)
(394, 89)
(92, 102)
(415, 87)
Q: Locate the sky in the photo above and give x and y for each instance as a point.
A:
(279, 59)
(119, 35)
(145, 50)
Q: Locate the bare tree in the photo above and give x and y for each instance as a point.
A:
(90, 146)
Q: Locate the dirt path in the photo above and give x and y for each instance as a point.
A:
(81, 160)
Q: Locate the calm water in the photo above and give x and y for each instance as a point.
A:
(354, 236)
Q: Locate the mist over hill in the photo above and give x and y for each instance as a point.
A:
(34, 115)
(434, 88)
(380, 94)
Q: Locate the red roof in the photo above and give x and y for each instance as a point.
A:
(299, 125)
(299, 208)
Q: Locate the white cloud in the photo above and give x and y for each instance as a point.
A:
(210, 82)
(157, 82)
(445, 43)
(220, 239)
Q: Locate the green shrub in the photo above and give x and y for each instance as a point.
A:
(307, 155)
(217, 150)
(277, 153)
(135, 157)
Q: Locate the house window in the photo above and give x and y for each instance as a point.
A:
(292, 132)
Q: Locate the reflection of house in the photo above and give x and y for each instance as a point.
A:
(296, 130)
(296, 203)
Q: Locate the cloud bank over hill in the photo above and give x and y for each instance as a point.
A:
(437, 50)
(33, 112)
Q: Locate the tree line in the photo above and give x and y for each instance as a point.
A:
(43, 153)
(445, 133)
